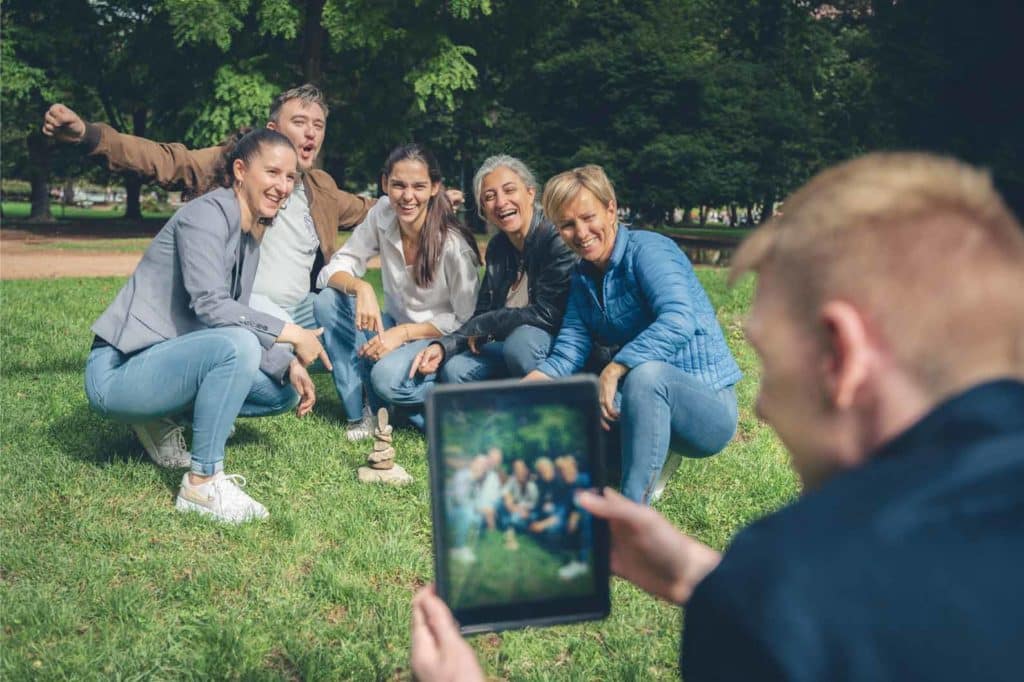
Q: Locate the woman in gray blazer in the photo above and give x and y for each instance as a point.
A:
(180, 335)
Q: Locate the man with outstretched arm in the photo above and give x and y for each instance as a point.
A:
(303, 236)
(889, 322)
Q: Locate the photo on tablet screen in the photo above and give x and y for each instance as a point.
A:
(513, 532)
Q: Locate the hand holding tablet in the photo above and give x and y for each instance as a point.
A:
(511, 545)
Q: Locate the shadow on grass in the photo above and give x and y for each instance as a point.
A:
(87, 437)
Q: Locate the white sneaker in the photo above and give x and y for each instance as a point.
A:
(164, 442)
(220, 497)
(363, 428)
(463, 554)
(572, 569)
(672, 462)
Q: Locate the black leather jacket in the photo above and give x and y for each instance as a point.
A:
(548, 262)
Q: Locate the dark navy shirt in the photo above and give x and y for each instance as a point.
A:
(910, 567)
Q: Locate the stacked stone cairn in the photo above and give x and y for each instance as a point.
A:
(380, 463)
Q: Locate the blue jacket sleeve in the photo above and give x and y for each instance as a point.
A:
(572, 345)
(659, 269)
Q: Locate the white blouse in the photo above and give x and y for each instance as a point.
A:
(447, 303)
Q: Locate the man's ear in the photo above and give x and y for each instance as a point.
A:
(849, 355)
(272, 125)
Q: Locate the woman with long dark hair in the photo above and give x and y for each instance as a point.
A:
(181, 336)
(429, 269)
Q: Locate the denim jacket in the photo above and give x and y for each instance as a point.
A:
(653, 308)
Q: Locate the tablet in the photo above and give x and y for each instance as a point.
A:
(511, 547)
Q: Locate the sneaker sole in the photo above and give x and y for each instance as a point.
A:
(183, 505)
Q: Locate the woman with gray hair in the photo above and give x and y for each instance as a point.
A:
(522, 299)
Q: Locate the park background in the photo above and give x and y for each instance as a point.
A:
(703, 112)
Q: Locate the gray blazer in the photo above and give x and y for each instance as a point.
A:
(190, 279)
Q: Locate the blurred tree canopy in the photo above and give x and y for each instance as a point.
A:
(687, 103)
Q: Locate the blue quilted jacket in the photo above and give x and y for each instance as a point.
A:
(654, 309)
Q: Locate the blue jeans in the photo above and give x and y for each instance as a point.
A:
(385, 381)
(662, 406)
(524, 349)
(215, 372)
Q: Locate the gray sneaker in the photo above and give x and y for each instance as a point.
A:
(363, 428)
(220, 497)
(164, 442)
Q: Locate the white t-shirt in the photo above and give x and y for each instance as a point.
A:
(447, 303)
(287, 253)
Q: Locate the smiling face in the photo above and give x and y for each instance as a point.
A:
(409, 188)
(589, 228)
(506, 202)
(303, 123)
(267, 180)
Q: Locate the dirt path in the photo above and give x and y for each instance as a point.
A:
(26, 256)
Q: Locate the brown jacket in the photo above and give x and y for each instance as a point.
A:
(175, 165)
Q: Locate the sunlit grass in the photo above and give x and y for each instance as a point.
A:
(101, 578)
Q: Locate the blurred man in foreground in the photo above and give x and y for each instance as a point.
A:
(889, 319)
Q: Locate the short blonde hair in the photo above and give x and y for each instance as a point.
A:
(563, 188)
(923, 245)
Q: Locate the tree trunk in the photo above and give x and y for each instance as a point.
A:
(39, 177)
(687, 215)
(733, 217)
(703, 216)
(767, 208)
(68, 195)
(750, 214)
(132, 182)
(313, 42)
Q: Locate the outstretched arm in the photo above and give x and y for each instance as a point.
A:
(168, 164)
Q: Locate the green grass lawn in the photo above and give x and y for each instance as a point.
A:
(21, 209)
(100, 578)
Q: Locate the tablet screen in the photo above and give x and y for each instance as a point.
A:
(512, 547)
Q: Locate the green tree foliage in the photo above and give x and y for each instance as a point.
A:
(686, 103)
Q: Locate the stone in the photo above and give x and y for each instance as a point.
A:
(394, 476)
(380, 466)
(380, 456)
(382, 445)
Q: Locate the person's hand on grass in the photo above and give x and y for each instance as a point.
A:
(439, 653)
(647, 550)
(303, 385)
(63, 124)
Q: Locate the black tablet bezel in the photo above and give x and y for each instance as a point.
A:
(578, 390)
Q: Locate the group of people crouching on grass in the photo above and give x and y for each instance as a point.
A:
(244, 288)
(482, 498)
